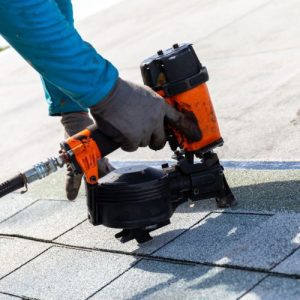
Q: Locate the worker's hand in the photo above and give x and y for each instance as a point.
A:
(134, 116)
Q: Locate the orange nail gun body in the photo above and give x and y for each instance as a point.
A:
(178, 76)
(197, 100)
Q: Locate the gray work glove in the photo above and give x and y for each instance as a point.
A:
(134, 116)
(73, 123)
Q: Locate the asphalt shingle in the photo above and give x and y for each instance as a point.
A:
(8, 297)
(206, 241)
(291, 265)
(266, 245)
(274, 288)
(46, 219)
(16, 252)
(13, 203)
(102, 237)
(161, 280)
(62, 273)
(265, 190)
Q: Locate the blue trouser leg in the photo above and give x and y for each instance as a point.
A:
(41, 33)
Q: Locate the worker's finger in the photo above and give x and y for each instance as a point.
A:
(186, 123)
(129, 147)
(158, 138)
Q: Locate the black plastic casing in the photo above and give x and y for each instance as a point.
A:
(174, 70)
(130, 198)
(138, 197)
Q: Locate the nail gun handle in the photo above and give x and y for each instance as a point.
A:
(105, 143)
(85, 149)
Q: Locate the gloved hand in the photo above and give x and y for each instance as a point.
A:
(134, 116)
(73, 123)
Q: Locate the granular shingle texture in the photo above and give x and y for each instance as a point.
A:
(274, 288)
(157, 280)
(46, 219)
(206, 241)
(62, 273)
(15, 252)
(87, 235)
(290, 265)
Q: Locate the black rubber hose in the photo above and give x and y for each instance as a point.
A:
(11, 185)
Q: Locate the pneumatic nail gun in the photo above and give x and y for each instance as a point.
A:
(140, 199)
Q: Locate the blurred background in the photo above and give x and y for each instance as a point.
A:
(251, 52)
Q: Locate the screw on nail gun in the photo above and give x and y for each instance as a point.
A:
(140, 199)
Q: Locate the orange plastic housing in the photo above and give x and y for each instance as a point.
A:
(86, 154)
(197, 100)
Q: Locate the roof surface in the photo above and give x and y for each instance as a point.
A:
(48, 249)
